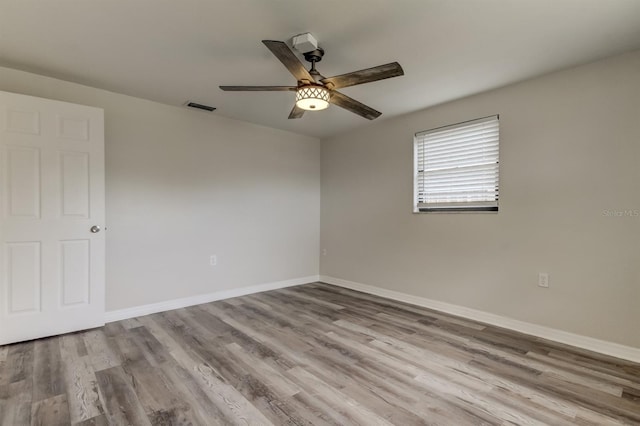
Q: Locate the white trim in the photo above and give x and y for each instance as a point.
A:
(138, 311)
(596, 345)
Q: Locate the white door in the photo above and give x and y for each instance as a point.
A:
(51, 195)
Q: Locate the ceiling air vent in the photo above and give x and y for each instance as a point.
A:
(200, 106)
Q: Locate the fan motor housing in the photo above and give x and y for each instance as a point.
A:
(315, 55)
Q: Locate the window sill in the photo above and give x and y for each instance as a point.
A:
(456, 210)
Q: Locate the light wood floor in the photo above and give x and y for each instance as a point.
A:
(314, 355)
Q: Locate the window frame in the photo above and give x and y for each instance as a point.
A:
(490, 207)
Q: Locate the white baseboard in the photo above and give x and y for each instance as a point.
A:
(138, 311)
(577, 340)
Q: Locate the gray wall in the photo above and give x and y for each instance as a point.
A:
(570, 151)
(183, 184)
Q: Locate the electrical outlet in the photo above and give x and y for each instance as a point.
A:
(324, 252)
(213, 260)
(543, 279)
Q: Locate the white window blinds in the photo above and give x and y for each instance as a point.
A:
(456, 167)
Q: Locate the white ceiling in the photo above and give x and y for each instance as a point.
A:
(172, 51)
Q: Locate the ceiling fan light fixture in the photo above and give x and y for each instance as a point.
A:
(314, 92)
(312, 97)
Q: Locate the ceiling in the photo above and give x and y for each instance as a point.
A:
(173, 51)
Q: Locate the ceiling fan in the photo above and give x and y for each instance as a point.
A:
(314, 92)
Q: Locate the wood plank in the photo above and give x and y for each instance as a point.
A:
(227, 398)
(48, 380)
(156, 393)
(266, 372)
(233, 403)
(130, 323)
(205, 410)
(119, 398)
(19, 363)
(177, 369)
(4, 350)
(15, 403)
(100, 351)
(151, 348)
(82, 385)
(50, 412)
(353, 411)
(100, 420)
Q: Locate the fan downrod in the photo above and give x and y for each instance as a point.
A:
(314, 55)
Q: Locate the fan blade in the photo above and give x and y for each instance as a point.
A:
(289, 59)
(365, 76)
(354, 106)
(296, 112)
(257, 88)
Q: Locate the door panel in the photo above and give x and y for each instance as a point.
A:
(23, 182)
(23, 277)
(23, 121)
(75, 128)
(51, 194)
(75, 184)
(74, 256)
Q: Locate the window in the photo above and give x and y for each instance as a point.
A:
(456, 167)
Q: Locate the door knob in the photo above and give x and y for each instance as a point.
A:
(95, 229)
